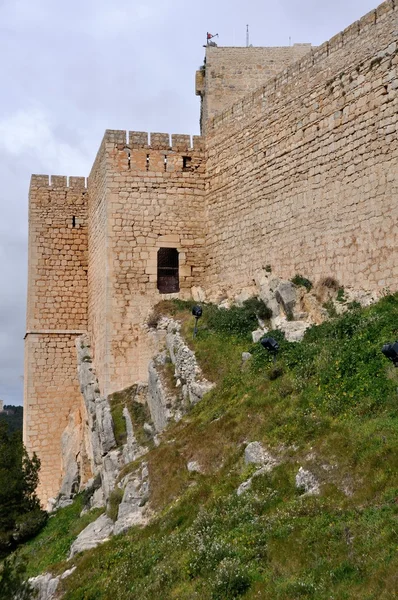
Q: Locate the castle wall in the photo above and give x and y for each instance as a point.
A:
(231, 73)
(151, 202)
(56, 313)
(98, 291)
(303, 173)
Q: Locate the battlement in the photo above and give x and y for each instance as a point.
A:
(58, 182)
(350, 38)
(154, 141)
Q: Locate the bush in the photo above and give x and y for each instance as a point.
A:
(257, 307)
(238, 320)
(302, 281)
(28, 525)
(12, 576)
(231, 581)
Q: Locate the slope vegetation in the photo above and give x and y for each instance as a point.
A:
(328, 405)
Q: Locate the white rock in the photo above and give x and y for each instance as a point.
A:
(45, 586)
(286, 295)
(258, 334)
(307, 481)
(133, 510)
(194, 467)
(246, 356)
(93, 535)
(244, 487)
(255, 454)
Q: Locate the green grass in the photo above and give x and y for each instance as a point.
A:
(139, 414)
(330, 404)
(51, 546)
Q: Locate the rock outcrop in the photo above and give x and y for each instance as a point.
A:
(93, 535)
(134, 508)
(170, 402)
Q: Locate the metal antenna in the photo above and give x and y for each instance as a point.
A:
(247, 36)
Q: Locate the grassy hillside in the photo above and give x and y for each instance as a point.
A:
(328, 404)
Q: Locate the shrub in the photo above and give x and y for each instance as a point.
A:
(237, 320)
(231, 581)
(341, 295)
(302, 281)
(330, 283)
(12, 576)
(257, 307)
(28, 525)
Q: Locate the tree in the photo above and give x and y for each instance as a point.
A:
(20, 514)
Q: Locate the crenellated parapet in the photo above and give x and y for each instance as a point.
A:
(143, 140)
(57, 182)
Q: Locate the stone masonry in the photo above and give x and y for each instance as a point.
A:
(298, 169)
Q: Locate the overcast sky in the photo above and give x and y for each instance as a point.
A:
(71, 69)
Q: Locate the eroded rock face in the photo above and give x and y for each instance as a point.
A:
(45, 586)
(93, 535)
(167, 404)
(256, 454)
(89, 435)
(134, 509)
(307, 481)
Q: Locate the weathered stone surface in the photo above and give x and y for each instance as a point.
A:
(112, 464)
(134, 509)
(194, 467)
(165, 404)
(258, 334)
(256, 454)
(286, 296)
(45, 586)
(198, 294)
(294, 330)
(246, 356)
(93, 535)
(307, 481)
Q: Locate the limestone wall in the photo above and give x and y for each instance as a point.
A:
(231, 73)
(151, 200)
(56, 313)
(303, 173)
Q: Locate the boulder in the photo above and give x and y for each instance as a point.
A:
(133, 509)
(93, 535)
(255, 454)
(194, 467)
(286, 296)
(306, 481)
(258, 334)
(44, 586)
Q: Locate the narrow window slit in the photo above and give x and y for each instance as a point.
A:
(147, 162)
(73, 221)
(186, 163)
(165, 162)
(129, 160)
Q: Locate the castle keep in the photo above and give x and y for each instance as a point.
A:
(297, 168)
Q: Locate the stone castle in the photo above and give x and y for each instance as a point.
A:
(297, 168)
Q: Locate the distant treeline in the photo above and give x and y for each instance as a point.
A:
(13, 416)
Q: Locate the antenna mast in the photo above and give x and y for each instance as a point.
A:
(247, 36)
